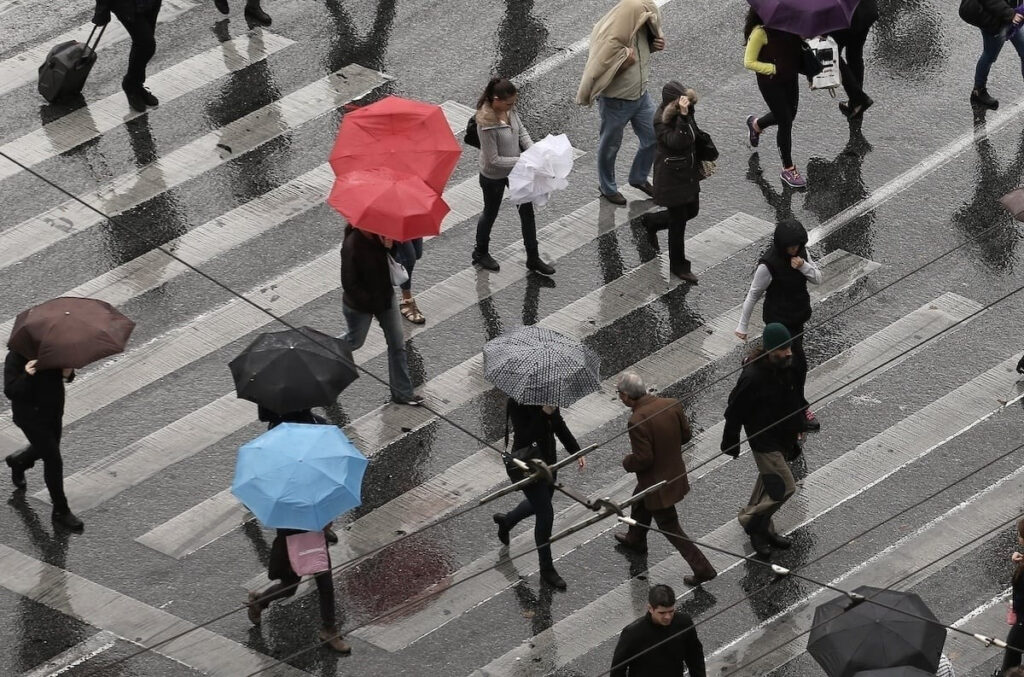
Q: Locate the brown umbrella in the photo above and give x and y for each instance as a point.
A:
(69, 332)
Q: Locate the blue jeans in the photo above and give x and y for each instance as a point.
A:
(408, 253)
(615, 113)
(991, 46)
(538, 504)
(390, 321)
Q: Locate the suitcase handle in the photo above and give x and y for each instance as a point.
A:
(89, 39)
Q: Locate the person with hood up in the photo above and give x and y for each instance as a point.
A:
(999, 22)
(766, 403)
(616, 75)
(781, 276)
(681, 147)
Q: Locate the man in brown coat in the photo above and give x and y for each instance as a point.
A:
(657, 430)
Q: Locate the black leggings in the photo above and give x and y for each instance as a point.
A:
(537, 503)
(782, 97)
(674, 220)
(287, 586)
(851, 64)
(1011, 658)
(494, 190)
(44, 441)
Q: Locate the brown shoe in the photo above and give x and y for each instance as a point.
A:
(255, 611)
(624, 541)
(697, 579)
(332, 638)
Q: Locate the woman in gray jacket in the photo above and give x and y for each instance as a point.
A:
(502, 138)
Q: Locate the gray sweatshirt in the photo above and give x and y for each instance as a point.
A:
(500, 143)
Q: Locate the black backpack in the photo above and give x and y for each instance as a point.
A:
(472, 138)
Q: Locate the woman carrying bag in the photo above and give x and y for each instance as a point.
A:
(534, 428)
(999, 23)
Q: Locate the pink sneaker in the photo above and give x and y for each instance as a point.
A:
(792, 178)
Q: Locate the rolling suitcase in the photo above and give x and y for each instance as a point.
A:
(67, 66)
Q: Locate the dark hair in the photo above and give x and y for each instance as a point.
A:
(1019, 571)
(1014, 672)
(752, 21)
(661, 596)
(500, 88)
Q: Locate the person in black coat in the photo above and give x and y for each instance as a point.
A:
(536, 426)
(1015, 637)
(37, 406)
(640, 651)
(139, 19)
(851, 58)
(995, 18)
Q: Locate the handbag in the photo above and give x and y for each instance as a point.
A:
(972, 12)
(307, 553)
(705, 168)
(472, 136)
(399, 275)
(809, 64)
(1011, 615)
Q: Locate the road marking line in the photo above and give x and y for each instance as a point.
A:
(187, 162)
(95, 119)
(74, 656)
(131, 619)
(822, 491)
(23, 68)
(987, 619)
(396, 634)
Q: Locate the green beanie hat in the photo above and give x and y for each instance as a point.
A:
(775, 336)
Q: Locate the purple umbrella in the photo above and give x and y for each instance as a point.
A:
(806, 18)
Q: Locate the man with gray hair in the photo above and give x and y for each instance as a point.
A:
(658, 429)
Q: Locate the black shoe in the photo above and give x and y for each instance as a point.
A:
(329, 535)
(627, 544)
(695, 580)
(17, 473)
(135, 100)
(485, 261)
(503, 530)
(551, 577)
(644, 187)
(412, 400)
(256, 13)
(762, 547)
(684, 274)
(779, 541)
(68, 521)
(222, 6)
(148, 97)
(811, 421)
(615, 198)
(981, 97)
(856, 112)
(535, 264)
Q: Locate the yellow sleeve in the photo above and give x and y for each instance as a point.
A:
(758, 39)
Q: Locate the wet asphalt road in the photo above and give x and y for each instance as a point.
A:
(919, 66)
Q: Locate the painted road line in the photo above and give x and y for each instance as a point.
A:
(440, 302)
(933, 544)
(233, 229)
(822, 491)
(187, 162)
(24, 67)
(95, 119)
(920, 325)
(988, 619)
(130, 619)
(74, 656)
(483, 470)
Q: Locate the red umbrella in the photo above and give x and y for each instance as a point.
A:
(69, 332)
(392, 204)
(399, 134)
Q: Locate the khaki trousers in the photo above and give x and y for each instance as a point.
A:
(774, 486)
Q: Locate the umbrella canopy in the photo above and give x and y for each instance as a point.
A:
(849, 637)
(806, 18)
(395, 133)
(299, 476)
(69, 332)
(294, 369)
(901, 671)
(540, 170)
(533, 365)
(389, 203)
(1014, 203)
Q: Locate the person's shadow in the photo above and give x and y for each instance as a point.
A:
(521, 37)
(781, 203)
(910, 39)
(348, 47)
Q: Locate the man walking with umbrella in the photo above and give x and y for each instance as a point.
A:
(658, 429)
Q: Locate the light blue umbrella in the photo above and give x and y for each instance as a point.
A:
(299, 476)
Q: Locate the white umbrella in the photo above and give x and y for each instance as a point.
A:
(542, 169)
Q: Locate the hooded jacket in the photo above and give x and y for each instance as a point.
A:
(676, 180)
(610, 42)
(500, 142)
(786, 300)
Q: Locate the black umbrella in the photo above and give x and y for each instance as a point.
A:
(292, 370)
(901, 671)
(851, 636)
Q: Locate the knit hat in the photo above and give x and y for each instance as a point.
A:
(775, 336)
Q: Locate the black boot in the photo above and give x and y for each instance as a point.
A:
(485, 261)
(17, 472)
(256, 13)
(551, 577)
(981, 97)
(67, 519)
(762, 547)
(222, 6)
(135, 100)
(148, 97)
(503, 530)
(779, 541)
(536, 264)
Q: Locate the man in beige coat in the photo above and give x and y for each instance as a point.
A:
(616, 75)
(657, 431)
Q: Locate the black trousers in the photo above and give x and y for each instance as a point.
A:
(287, 586)
(783, 98)
(1015, 637)
(674, 219)
(494, 190)
(140, 23)
(537, 503)
(851, 63)
(667, 520)
(44, 445)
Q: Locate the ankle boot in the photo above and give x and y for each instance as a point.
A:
(536, 264)
(256, 13)
(17, 472)
(331, 637)
(503, 530)
(981, 97)
(551, 577)
(68, 520)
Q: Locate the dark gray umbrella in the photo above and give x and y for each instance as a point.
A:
(851, 636)
(533, 365)
(901, 671)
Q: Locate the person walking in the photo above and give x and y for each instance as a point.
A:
(253, 11)
(408, 253)
(536, 426)
(851, 58)
(1015, 638)
(368, 293)
(279, 569)
(999, 23)
(781, 276)
(616, 76)
(775, 56)
(658, 428)
(660, 643)
(139, 20)
(502, 138)
(681, 147)
(766, 403)
(37, 407)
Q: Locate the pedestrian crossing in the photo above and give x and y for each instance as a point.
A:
(577, 633)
